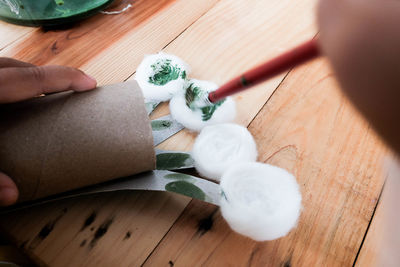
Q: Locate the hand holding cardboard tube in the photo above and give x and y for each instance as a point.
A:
(68, 140)
(20, 81)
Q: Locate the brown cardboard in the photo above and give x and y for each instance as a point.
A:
(68, 140)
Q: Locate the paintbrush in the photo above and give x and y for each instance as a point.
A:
(298, 55)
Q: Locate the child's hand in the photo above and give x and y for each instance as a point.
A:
(361, 38)
(20, 81)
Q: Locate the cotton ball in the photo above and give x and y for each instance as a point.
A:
(220, 146)
(260, 201)
(160, 76)
(196, 119)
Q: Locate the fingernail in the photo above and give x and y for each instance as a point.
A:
(88, 83)
(92, 79)
(8, 196)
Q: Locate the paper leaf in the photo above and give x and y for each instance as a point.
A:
(186, 188)
(174, 161)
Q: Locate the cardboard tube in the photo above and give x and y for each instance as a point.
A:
(68, 140)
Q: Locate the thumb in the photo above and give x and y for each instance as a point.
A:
(8, 190)
(23, 83)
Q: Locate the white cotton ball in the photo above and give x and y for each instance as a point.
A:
(260, 201)
(153, 65)
(193, 119)
(220, 146)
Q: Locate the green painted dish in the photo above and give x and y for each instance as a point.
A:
(49, 12)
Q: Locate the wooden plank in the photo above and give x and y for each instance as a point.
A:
(308, 128)
(9, 33)
(84, 231)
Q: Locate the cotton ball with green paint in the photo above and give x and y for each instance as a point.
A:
(259, 200)
(161, 76)
(221, 146)
(185, 109)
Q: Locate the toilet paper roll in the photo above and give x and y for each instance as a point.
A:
(68, 140)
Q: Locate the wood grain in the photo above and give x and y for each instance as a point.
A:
(369, 253)
(308, 128)
(86, 231)
(10, 33)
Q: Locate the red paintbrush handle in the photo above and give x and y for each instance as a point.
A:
(292, 58)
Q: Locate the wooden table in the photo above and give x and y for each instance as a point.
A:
(301, 121)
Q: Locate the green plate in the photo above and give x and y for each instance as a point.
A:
(49, 12)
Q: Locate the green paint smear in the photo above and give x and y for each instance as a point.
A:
(183, 74)
(209, 110)
(224, 195)
(165, 72)
(179, 176)
(193, 94)
(171, 161)
(187, 189)
(159, 125)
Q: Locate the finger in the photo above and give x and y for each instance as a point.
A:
(18, 84)
(8, 190)
(6, 62)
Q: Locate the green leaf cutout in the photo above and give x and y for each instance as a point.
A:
(173, 161)
(187, 189)
(159, 125)
(179, 176)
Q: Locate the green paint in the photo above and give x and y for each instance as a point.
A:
(50, 12)
(192, 94)
(187, 189)
(195, 93)
(209, 110)
(244, 81)
(183, 74)
(159, 125)
(179, 176)
(223, 195)
(171, 161)
(165, 72)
